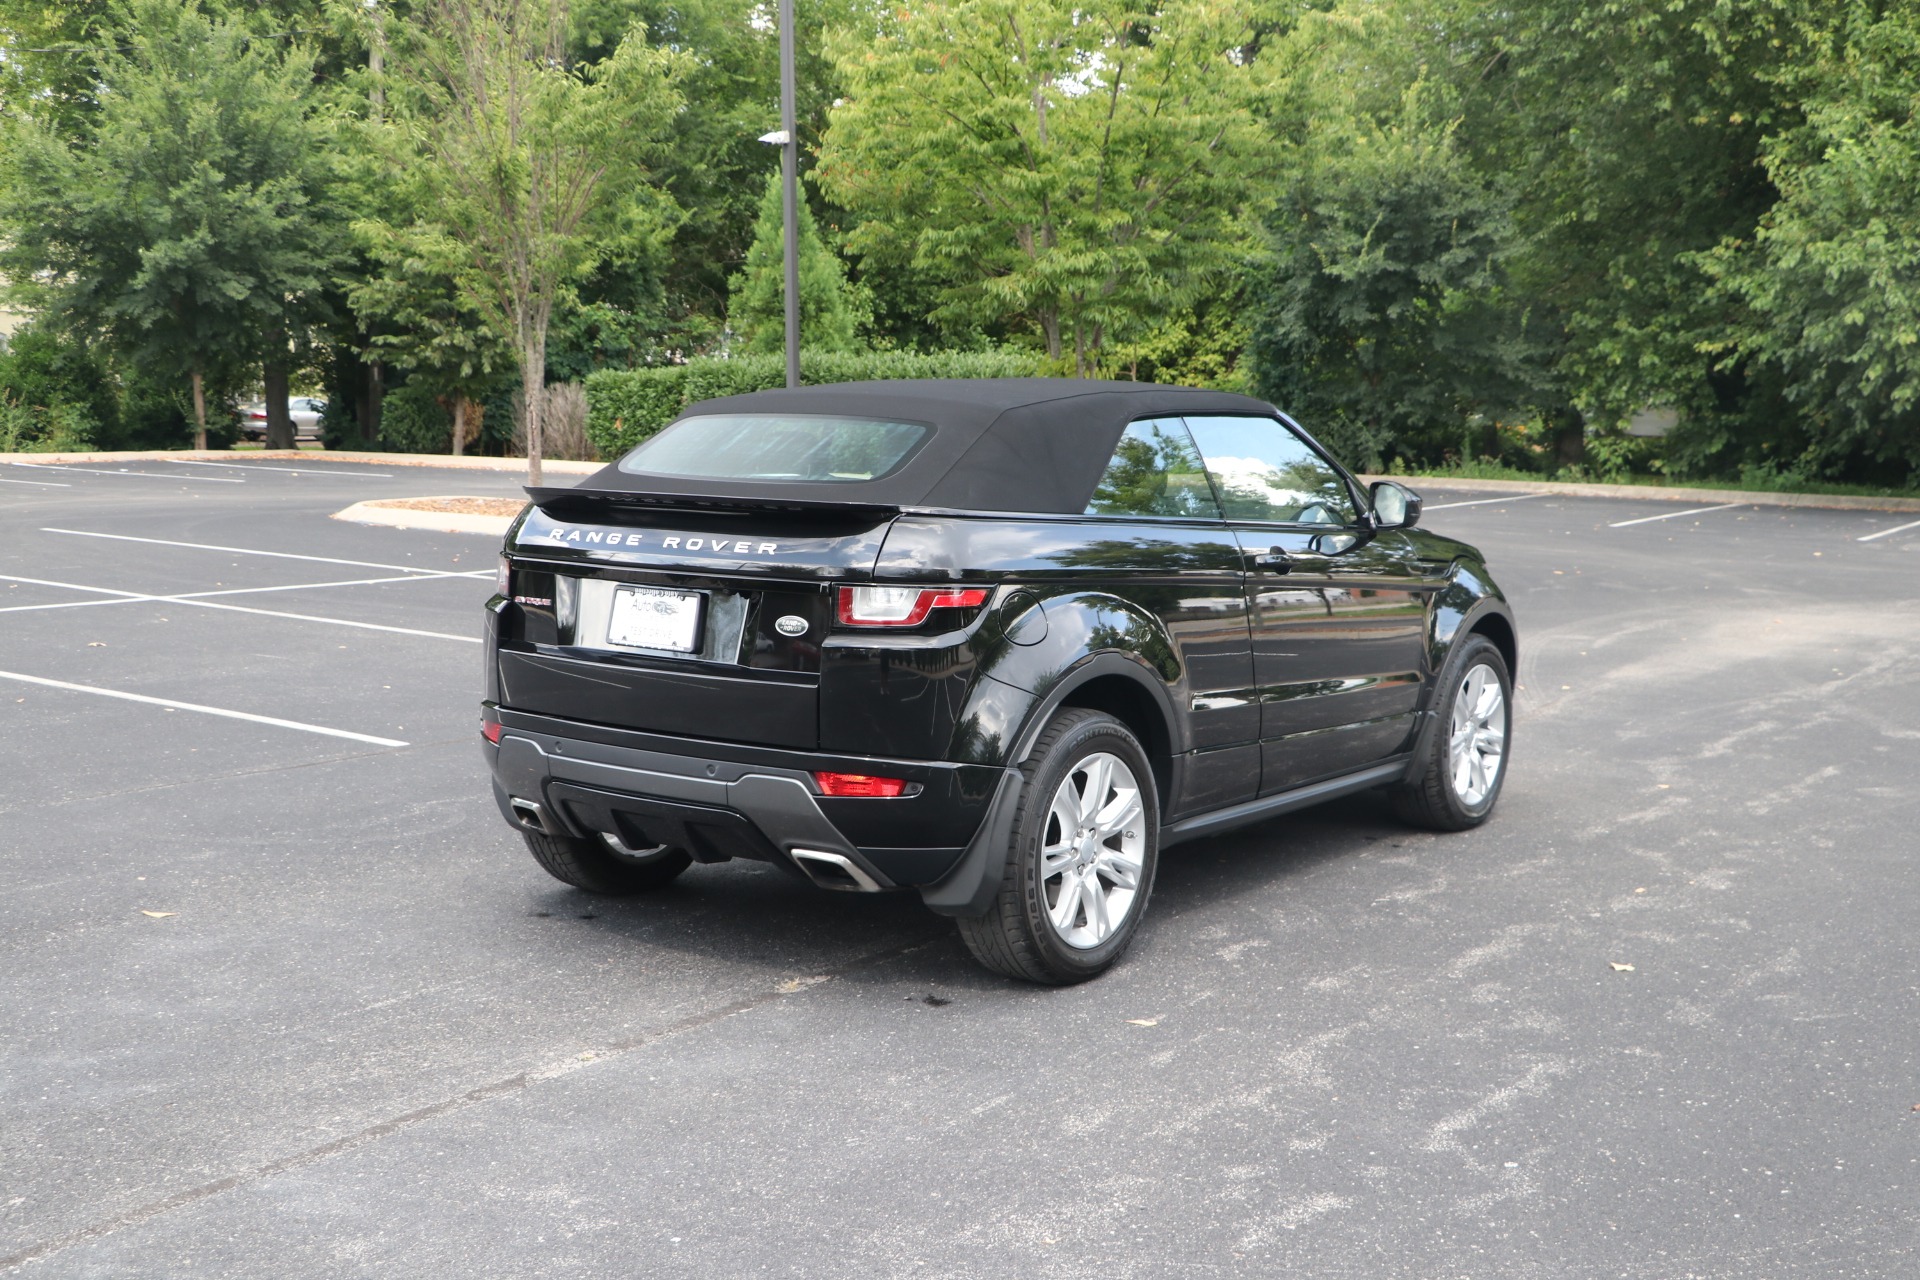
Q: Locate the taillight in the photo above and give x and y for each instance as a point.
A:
(849, 785)
(502, 577)
(902, 606)
(490, 730)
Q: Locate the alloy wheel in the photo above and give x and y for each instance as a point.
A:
(1092, 853)
(1477, 740)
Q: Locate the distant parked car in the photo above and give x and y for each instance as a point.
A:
(304, 410)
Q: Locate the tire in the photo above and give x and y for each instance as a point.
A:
(1465, 760)
(1034, 931)
(597, 866)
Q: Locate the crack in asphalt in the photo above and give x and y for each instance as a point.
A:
(501, 1088)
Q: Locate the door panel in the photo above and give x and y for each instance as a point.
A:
(1338, 612)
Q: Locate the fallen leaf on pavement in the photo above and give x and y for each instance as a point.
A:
(1620, 968)
(1143, 1022)
(96, 644)
(158, 915)
(788, 986)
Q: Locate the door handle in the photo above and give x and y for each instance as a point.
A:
(1273, 560)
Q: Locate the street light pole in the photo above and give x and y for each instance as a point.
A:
(789, 193)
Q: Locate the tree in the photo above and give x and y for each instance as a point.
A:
(182, 219)
(413, 307)
(1078, 168)
(1830, 280)
(1385, 315)
(758, 307)
(525, 155)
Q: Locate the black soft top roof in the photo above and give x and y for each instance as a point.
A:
(999, 444)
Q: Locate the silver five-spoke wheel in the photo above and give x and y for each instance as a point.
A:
(1091, 854)
(1478, 735)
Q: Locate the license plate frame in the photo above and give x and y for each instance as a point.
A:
(657, 620)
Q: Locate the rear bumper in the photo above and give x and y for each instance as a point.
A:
(721, 800)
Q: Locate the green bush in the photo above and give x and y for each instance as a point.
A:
(56, 428)
(413, 421)
(625, 406)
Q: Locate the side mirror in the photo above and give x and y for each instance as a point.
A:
(1394, 505)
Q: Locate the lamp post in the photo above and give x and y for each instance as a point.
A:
(789, 145)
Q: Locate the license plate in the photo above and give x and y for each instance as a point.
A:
(648, 618)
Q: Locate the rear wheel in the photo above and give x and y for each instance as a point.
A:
(1081, 864)
(603, 865)
(1466, 756)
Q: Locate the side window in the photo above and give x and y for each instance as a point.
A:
(1155, 471)
(1264, 471)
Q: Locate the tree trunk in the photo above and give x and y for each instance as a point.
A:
(199, 410)
(376, 398)
(459, 424)
(1050, 330)
(533, 378)
(273, 377)
(1569, 438)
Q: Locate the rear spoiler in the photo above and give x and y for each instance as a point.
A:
(581, 503)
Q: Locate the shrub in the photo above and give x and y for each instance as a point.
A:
(413, 421)
(625, 406)
(56, 428)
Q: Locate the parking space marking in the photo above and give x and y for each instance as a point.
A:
(261, 466)
(145, 475)
(40, 484)
(1674, 515)
(204, 710)
(197, 600)
(1482, 502)
(1899, 528)
(280, 555)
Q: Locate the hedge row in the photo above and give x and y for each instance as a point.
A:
(625, 406)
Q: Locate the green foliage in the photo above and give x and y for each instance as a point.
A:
(414, 421)
(181, 220)
(525, 164)
(1830, 279)
(757, 310)
(1077, 171)
(1385, 318)
(627, 406)
(39, 371)
(57, 428)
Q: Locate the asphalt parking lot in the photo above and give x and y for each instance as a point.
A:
(280, 994)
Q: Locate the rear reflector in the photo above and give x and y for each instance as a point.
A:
(490, 730)
(849, 785)
(902, 606)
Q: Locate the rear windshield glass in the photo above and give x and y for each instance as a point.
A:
(804, 447)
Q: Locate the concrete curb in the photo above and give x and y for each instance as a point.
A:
(320, 457)
(1664, 493)
(376, 512)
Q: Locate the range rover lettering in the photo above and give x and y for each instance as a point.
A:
(999, 643)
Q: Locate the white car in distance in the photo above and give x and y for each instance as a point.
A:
(304, 410)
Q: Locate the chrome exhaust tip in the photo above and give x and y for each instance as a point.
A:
(834, 871)
(530, 815)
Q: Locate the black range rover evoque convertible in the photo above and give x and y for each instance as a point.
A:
(998, 642)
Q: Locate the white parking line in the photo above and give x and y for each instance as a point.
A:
(209, 711)
(1482, 502)
(279, 555)
(196, 599)
(1899, 528)
(1674, 515)
(42, 484)
(261, 466)
(145, 475)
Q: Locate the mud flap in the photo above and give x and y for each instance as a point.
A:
(969, 889)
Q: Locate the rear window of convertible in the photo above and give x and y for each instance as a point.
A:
(789, 447)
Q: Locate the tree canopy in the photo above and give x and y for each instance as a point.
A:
(1442, 232)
